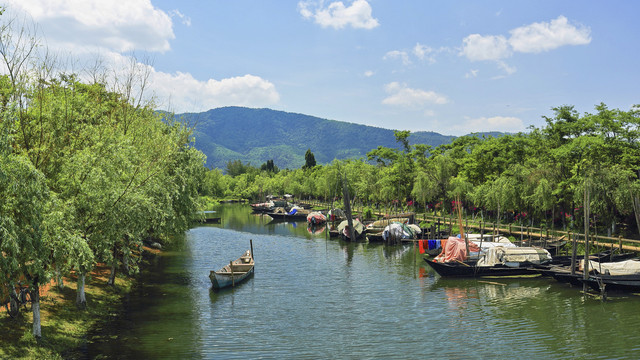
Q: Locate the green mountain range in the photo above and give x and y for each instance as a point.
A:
(257, 135)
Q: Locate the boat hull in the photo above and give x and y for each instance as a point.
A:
(221, 281)
(623, 283)
(463, 270)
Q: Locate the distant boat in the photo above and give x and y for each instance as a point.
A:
(234, 273)
(358, 230)
(316, 217)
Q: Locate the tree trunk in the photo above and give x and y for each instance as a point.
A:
(14, 308)
(59, 280)
(114, 267)
(35, 307)
(636, 210)
(81, 299)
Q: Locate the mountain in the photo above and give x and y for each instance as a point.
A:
(257, 135)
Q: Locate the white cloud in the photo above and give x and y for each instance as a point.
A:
(114, 25)
(496, 123)
(472, 73)
(184, 18)
(543, 36)
(533, 38)
(479, 48)
(189, 94)
(338, 16)
(401, 95)
(368, 73)
(397, 54)
(97, 31)
(504, 66)
(424, 52)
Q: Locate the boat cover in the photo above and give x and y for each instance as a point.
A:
(384, 222)
(316, 217)
(626, 267)
(513, 256)
(335, 214)
(399, 231)
(357, 226)
(454, 249)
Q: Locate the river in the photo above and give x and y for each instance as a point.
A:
(314, 298)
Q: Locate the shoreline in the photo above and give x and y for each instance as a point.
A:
(65, 328)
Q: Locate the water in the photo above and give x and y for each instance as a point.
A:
(315, 298)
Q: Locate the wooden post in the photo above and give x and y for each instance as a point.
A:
(620, 243)
(233, 282)
(251, 246)
(585, 270)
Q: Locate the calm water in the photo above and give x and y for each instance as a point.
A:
(314, 298)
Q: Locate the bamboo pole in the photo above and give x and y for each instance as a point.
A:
(585, 270)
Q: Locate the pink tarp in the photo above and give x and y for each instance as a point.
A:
(455, 250)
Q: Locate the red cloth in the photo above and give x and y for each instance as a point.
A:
(422, 244)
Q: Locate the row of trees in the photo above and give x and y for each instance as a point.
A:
(88, 169)
(537, 176)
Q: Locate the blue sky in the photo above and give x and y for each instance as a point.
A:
(453, 67)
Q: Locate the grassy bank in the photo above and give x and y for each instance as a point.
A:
(64, 326)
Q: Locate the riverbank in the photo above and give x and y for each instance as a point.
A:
(64, 326)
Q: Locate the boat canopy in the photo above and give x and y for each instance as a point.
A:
(626, 267)
(513, 256)
(400, 231)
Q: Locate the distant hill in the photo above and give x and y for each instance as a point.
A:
(257, 135)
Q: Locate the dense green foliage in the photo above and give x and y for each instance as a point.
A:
(253, 136)
(537, 176)
(87, 171)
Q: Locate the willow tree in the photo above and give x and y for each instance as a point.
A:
(25, 250)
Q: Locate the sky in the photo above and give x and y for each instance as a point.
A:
(453, 67)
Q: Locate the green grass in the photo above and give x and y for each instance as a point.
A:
(64, 326)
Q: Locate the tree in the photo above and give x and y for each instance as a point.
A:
(309, 160)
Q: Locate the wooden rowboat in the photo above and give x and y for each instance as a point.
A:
(234, 273)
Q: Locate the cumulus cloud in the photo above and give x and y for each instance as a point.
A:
(368, 73)
(424, 52)
(533, 38)
(337, 15)
(97, 31)
(496, 123)
(189, 94)
(401, 95)
(539, 37)
(479, 48)
(397, 54)
(114, 25)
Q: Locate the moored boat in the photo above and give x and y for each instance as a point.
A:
(497, 260)
(234, 273)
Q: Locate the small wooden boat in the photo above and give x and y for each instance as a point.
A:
(234, 273)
